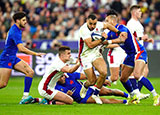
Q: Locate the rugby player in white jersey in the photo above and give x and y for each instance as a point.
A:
(115, 58)
(60, 65)
(137, 30)
(90, 56)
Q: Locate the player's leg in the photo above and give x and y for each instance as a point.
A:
(91, 77)
(106, 92)
(101, 67)
(62, 97)
(113, 101)
(23, 67)
(114, 74)
(138, 72)
(5, 74)
(126, 71)
(91, 80)
(145, 74)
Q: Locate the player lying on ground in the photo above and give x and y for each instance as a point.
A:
(70, 85)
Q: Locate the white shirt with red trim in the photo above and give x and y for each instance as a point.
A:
(85, 33)
(53, 73)
(136, 28)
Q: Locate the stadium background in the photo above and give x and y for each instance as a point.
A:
(55, 22)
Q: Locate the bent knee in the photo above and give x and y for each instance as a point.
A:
(103, 73)
(123, 79)
(3, 84)
(70, 101)
(30, 73)
(114, 78)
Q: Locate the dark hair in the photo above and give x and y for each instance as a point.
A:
(63, 48)
(18, 15)
(92, 16)
(112, 12)
(134, 7)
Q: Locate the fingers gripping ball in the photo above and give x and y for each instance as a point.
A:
(96, 36)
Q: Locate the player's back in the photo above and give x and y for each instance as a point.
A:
(13, 39)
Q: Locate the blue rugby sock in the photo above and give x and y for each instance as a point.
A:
(146, 83)
(140, 85)
(124, 101)
(125, 95)
(128, 86)
(134, 83)
(28, 82)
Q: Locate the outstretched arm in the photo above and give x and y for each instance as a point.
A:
(120, 39)
(25, 50)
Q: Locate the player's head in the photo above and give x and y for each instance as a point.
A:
(62, 79)
(135, 11)
(91, 21)
(112, 17)
(65, 53)
(20, 19)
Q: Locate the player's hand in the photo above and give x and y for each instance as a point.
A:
(151, 40)
(108, 83)
(69, 92)
(104, 35)
(40, 54)
(145, 37)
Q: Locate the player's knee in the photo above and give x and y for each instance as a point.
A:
(70, 101)
(92, 82)
(114, 78)
(30, 73)
(3, 84)
(103, 73)
(123, 79)
(136, 75)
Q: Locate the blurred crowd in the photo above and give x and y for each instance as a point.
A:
(61, 19)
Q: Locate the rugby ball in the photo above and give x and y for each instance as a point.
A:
(96, 36)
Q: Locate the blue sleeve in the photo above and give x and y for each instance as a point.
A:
(74, 75)
(109, 35)
(17, 38)
(61, 88)
(122, 28)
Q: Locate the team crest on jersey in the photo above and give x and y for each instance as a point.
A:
(62, 89)
(9, 64)
(71, 82)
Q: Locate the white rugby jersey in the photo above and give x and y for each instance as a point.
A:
(136, 28)
(85, 33)
(52, 74)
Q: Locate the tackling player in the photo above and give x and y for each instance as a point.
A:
(60, 65)
(69, 84)
(136, 56)
(9, 60)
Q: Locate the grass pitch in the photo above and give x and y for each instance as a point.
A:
(11, 95)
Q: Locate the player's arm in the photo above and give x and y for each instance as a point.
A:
(145, 38)
(120, 39)
(110, 27)
(23, 49)
(112, 46)
(68, 69)
(92, 44)
(82, 76)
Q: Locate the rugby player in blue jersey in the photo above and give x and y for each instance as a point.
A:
(70, 85)
(9, 60)
(136, 58)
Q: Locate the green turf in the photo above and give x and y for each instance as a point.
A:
(11, 95)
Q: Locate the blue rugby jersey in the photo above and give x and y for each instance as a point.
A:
(131, 44)
(14, 37)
